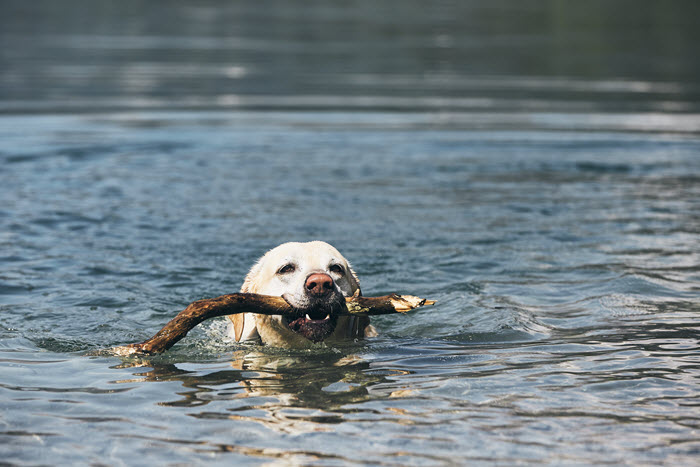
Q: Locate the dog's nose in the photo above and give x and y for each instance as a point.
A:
(319, 284)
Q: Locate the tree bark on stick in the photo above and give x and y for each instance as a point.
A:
(230, 304)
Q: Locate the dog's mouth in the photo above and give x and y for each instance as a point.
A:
(316, 322)
(314, 329)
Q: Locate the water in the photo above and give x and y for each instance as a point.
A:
(531, 166)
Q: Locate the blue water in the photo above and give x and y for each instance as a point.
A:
(549, 202)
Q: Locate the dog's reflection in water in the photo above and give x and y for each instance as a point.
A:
(290, 391)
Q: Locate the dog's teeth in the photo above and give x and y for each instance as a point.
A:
(309, 318)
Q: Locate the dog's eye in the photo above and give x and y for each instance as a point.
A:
(286, 269)
(337, 268)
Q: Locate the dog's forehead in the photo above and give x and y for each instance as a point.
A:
(312, 254)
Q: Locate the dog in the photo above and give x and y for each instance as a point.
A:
(314, 278)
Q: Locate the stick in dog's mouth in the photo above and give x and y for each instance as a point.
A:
(201, 310)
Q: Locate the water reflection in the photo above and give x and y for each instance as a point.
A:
(285, 392)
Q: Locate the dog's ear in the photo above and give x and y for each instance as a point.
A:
(238, 321)
(353, 279)
(249, 286)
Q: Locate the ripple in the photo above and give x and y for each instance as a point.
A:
(562, 263)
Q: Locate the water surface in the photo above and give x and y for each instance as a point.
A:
(534, 168)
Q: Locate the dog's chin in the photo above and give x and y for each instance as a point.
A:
(317, 319)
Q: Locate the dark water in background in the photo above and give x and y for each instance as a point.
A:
(533, 166)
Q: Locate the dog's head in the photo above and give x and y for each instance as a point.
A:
(314, 278)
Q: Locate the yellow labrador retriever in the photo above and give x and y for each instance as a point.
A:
(312, 277)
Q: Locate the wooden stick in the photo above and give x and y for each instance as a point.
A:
(231, 304)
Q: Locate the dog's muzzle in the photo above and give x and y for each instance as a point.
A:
(323, 303)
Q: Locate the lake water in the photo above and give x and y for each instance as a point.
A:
(532, 166)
